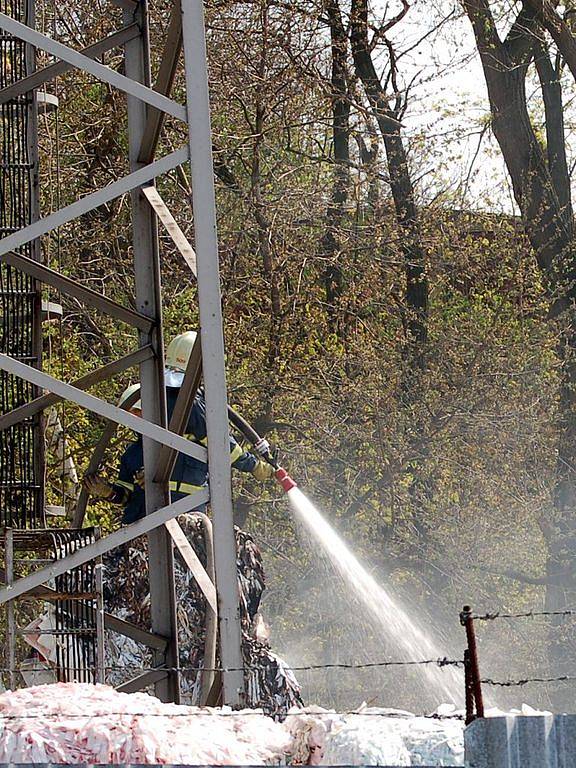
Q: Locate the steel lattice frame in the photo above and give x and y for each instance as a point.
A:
(77, 608)
(146, 107)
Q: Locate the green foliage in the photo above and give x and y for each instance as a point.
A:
(441, 475)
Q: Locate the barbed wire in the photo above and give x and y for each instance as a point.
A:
(209, 712)
(527, 681)
(440, 662)
(527, 614)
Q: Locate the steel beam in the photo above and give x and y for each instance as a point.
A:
(97, 458)
(152, 677)
(46, 74)
(84, 382)
(94, 404)
(193, 562)
(10, 612)
(98, 610)
(163, 84)
(126, 628)
(200, 143)
(163, 612)
(103, 545)
(111, 622)
(178, 237)
(181, 413)
(100, 71)
(126, 5)
(74, 288)
(94, 200)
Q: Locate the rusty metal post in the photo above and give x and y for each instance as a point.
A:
(467, 621)
(468, 689)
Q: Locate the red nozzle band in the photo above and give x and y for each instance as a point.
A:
(284, 479)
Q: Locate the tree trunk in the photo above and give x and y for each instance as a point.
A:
(542, 190)
(265, 242)
(331, 242)
(413, 252)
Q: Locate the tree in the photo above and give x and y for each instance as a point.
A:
(541, 185)
(388, 110)
(330, 243)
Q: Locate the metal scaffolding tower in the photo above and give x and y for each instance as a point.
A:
(147, 105)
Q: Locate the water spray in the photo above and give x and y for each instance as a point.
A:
(386, 613)
(263, 448)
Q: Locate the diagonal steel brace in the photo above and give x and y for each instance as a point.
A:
(84, 382)
(100, 71)
(95, 404)
(94, 200)
(46, 74)
(103, 545)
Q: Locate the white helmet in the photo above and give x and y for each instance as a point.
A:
(179, 350)
(126, 394)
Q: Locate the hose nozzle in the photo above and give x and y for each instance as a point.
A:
(284, 479)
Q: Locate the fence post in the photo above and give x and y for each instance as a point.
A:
(467, 621)
(468, 689)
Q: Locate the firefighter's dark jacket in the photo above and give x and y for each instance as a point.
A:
(189, 474)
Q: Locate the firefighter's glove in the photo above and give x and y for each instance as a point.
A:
(139, 478)
(263, 471)
(262, 447)
(98, 487)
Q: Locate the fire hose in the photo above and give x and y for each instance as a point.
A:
(263, 448)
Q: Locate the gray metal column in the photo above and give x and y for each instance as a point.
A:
(10, 612)
(153, 396)
(206, 242)
(35, 252)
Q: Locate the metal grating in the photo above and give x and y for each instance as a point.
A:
(76, 605)
(77, 654)
(21, 450)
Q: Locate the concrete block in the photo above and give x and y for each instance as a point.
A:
(540, 741)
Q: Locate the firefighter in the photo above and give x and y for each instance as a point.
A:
(189, 474)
